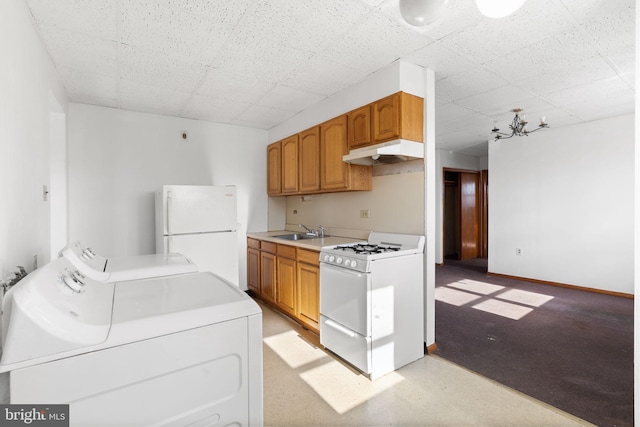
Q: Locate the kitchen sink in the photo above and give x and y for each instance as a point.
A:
(295, 236)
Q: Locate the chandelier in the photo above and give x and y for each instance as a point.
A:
(518, 126)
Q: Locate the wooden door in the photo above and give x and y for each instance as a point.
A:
(469, 216)
(274, 163)
(309, 147)
(268, 277)
(253, 270)
(359, 127)
(386, 118)
(289, 165)
(286, 284)
(334, 172)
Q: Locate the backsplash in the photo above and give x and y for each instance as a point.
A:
(396, 204)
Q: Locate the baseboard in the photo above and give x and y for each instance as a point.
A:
(428, 349)
(564, 285)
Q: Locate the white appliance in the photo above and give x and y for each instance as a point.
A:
(200, 222)
(177, 350)
(103, 269)
(371, 302)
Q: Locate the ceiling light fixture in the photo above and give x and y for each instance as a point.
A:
(421, 12)
(498, 8)
(518, 126)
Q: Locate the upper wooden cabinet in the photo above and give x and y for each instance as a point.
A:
(335, 174)
(309, 163)
(289, 166)
(274, 169)
(398, 116)
(359, 127)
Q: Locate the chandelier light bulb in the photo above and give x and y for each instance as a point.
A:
(498, 8)
(543, 120)
(421, 12)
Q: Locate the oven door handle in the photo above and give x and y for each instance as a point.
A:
(338, 327)
(341, 269)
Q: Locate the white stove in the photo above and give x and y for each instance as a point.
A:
(358, 256)
(371, 302)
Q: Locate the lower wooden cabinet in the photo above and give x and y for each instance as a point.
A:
(309, 288)
(287, 278)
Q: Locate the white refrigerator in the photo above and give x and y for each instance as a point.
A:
(200, 222)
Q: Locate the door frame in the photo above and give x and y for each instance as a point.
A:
(481, 208)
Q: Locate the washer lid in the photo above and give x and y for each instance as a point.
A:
(153, 307)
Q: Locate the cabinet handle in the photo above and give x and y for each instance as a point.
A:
(338, 327)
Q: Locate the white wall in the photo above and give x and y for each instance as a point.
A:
(453, 160)
(118, 158)
(27, 80)
(565, 197)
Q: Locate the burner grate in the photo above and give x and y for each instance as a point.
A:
(367, 249)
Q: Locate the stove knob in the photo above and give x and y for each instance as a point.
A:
(339, 260)
(326, 258)
(353, 263)
(332, 258)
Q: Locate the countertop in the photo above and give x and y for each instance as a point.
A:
(311, 244)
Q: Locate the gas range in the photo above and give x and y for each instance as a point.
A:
(358, 256)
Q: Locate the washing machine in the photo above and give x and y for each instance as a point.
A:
(119, 269)
(179, 350)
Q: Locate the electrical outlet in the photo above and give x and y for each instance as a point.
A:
(364, 213)
(519, 251)
(295, 211)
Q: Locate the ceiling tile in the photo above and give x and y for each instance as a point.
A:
(152, 99)
(444, 61)
(587, 92)
(86, 53)
(228, 86)
(264, 116)
(80, 84)
(193, 31)
(251, 56)
(88, 17)
(323, 76)
(375, 33)
(473, 81)
(308, 25)
(159, 70)
(497, 101)
(213, 108)
(289, 99)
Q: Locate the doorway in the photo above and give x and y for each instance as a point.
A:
(465, 214)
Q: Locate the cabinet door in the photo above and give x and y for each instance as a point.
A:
(333, 145)
(268, 277)
(289, 165)
(386, 118)
(359, 127)
(253, 270)
(286, 285)
(274, 159)
(309, 295)
(310, 160)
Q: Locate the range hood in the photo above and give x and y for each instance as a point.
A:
(398, 150)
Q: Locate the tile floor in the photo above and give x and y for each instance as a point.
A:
(307, 386)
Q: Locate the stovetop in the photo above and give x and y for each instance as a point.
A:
(379, 245)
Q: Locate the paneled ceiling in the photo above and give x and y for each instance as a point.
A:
(259, 62)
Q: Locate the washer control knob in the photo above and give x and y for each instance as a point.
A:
(73, 284)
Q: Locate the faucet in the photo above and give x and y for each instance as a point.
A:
(311, 232)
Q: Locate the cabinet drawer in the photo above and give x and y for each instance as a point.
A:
(286, 251)
(309, 257)
(268, 247)
(253, 243)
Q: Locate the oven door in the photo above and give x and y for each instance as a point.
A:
(345, 297)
